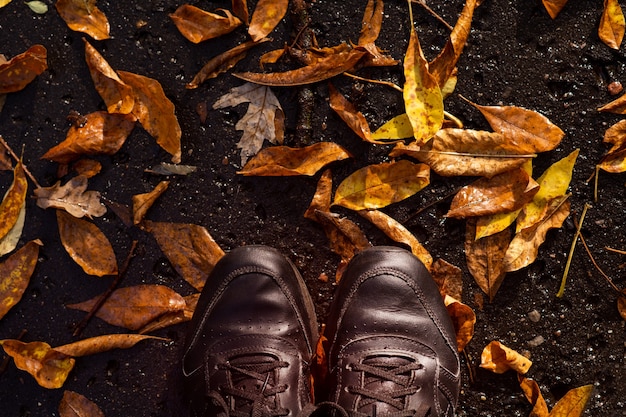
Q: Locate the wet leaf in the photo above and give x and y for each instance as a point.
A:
(612, 23)
(499, 358)
(12, 238)
(240, 9)
(38, 7)
(259, 122)
(101, 344)
(15, 273)
(323, 196)
(286, 161)
(76, 405)
(49, 367)
(117, 95)
(615, 159)
(189, 247)
(176, 317)
(13, 200)
(485, 258)
(198, 25)
(84, 16)
(22, 69)
(372, 22)
(349, 114)
(504, 192)
(143, 202)
(155, 112)
(102, 133)
(524, 247)
(554, 7)
(573, 403)
(135, 307)
(267, 14)
(87, 245)
(463, 319)
(380, 185)
(395, 129)
(72, 198)
(397, 232)
(449, 279)
(534, 397)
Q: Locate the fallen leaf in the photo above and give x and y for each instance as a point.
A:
(15, 273)
(612, 24)
(349, 114)
(87, 245)
(102, 133)
(76, 405)
(615, 159)
(286, 161)
(84, 16)
(322, 197)
(38, 7)
(4, 3)
(155, 112)
(463, 319)
(499, 358)
(395, 129)
(267, 14)
(189, 247)
(259, 122)
(621, 304)
(88, 168)
(240, 9)
(554, 7)
(372, 22)
(72, 198)
(49, 367)
(134, 307)
(573, 403)
(397, 232)
(13, 200)
(101, 344)
(12, 238)
(380, 185)
(22, 69)
(534, 397)
(198, 25)
(449, 279)
(143, 202)
(176, 317)
(165, 168)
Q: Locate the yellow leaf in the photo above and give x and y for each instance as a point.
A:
(4, 2)
(84, 16)
(142, 202)
(395, 129)
(573, 403)
(198, 25)
(499, 358)
(463, 319)
(554, 7)
(533, 395)
(611, 29)
(265, 17)
(13, 200)
(15, 273)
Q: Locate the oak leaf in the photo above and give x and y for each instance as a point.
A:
(13, 200)
(449, 279)
(76, 405)
(71, 197)
(463, 319)
(499, 358)
(554, 7)
(143, 202)
(198, 25)
(267, 14)
(18, 72)
(15, 273)
(612, 24)
(84, 16)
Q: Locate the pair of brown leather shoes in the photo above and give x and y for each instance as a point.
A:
(391, 347)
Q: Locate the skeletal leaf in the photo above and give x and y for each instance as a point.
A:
(573, 403)
(49, 367)
(72, 198)
(102, 133)
(103, 343)
(18, 72)
(612, 23)
(260, 121)
(463, 319)
(395, 129)
(323, 196)
(534, 397)
(135, 307)
(615, 159)
(155, 112)
(499, 358)
(84, 16)
(377, 186)
(554, 7)
(286, 161)
(266, 15)
(76, 405)
(87, 245)
(13, 200)
(198, 25)
(397, 232)
(143, 202)
(15, 273)
(449, 279)
(349, 114)
(189, 247)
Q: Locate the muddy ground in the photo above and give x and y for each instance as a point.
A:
(516, 55)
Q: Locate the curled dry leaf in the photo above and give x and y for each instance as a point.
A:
(240, 9)
(15, 273)
(84, 16)
(102, 133)
(349, 114)
(463, 319)
(76, 405)
(143, 202)
(449, 279)
(198, 25)
(534, 397)
(322, 197)
(380, 185)
(22, 69)
(189, 247)
(72, 198)
(499, 358)
(615, 159)
(266, 15)
(135, 307)
(612, 24)
(617, 106)
(104, 343)
(87, 245)
(286, 161)
(13, 200)
(573, 403)
(554, 7)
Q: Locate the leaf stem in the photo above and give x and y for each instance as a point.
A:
(8, 148)
(571, 252)
(433, 13)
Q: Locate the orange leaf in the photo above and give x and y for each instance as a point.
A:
(621, 304)
(87, 168)
(573, 403)
(13, 200)
(170, 319)
(75, 405)
(463, 319)
(155, 112)
(240, 9)
(611, 29)
(554, 7)
(265, 17)
(323, 196)
(197, 25)
(617, 106)
(372, 22)
(72, 198)
(22, 69)
(286, 161)
(102, 133)
(534, 397)
(498, 358)
(101, 344)
(349, 114)
(15, 273)
(87, 245)
(135, 307)
(449, 279)
(84, 16)
(143, 202)
(189, 247)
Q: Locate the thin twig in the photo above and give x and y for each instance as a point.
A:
(593, 261)
(622, 252)
(17, 159)
(470, 370)
(432, 12)
(571, 252)
(387, 83)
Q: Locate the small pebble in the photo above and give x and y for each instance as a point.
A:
(615, 88)
(534, 316)
(536, 341)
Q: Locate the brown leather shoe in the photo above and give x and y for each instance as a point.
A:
(251, 338)
(391, 344)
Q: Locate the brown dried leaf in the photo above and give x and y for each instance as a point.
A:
(323, 196)
(102, 133)
(617, 106)
(75, 405)
(87, 245)
(463, 319)
(615, 159)
(143, 202)
(198, 25)
(612, 24)
(72, 198)
(135, 307)
(189, 247)
(554, 7)
(286, 161)
(499, 358)
(88, 168)
(449, 279)
(372, 22)
(170, 319)
(101, 344)
(621, 304)
(15, 273)
(573, 403)
(349, 114)
(534, 397)
(13, 200)
(22, 69)
(240, 9)
(266, 15)
(84, 16)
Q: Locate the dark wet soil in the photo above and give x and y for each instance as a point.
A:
(516, 55)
